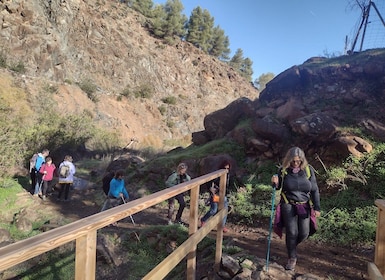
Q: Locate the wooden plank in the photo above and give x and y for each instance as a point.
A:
(85, 257)
(163, 268)
(373, 272)
(193, 225)
(379, 255)
(218, 248)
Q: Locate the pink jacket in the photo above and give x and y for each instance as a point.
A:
(50, 169)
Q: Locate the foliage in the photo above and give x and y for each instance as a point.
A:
(169, 100)
(18, 67)
(262, 80)
(241, 64)
(200, 28)
(142, 6)
(3, 60)
(89, 88)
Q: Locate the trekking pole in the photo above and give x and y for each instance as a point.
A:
(271, 226)
(132, 220)
(41, 184)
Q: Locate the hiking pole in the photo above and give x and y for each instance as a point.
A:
(271, 226)
(132, 220)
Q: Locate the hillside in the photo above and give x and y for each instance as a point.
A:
(104, 44)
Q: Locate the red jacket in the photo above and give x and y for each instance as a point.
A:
(50, 169)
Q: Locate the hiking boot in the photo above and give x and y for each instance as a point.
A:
(291, 264)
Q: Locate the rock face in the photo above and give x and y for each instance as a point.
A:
(106, 44)
(319, 106)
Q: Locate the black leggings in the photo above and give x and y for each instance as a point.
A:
(297, 228)
(64, 187)
(171, 206)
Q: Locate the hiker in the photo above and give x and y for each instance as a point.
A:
(177, 177)
(299, 192)
(46, 170)
(106, 181)
(66, 177)
(117, 193)
(35, 163)
(214, 197)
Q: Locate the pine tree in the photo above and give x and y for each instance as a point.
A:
(142, 6)
(168, 21)
(219, 44)
(200, 29)
(242, 65)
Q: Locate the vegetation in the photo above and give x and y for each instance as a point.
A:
(166, 21)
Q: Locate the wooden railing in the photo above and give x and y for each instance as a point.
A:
(376, 270)
(84, 231)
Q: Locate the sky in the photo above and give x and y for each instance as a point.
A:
(278, 34)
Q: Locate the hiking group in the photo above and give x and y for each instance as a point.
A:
(45, 176)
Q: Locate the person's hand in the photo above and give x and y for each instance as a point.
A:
(45, 172)
(317, 213)
(274, 180)
(121, 195)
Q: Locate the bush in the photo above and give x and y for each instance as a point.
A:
(169, 100)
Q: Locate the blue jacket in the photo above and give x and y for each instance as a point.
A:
(39, 162)
(117, 187)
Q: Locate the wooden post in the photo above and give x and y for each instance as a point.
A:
(379, 257)
(193, 225)
(85, 259)
(219, 241)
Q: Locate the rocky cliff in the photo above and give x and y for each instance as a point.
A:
(106, 44)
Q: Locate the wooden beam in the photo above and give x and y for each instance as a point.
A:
(85, 258)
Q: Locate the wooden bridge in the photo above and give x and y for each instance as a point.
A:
(84, 232)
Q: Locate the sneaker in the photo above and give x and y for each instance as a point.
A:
(170, 222)
(291, 264)
(180, 222)
(203, 224)
(225, 229)
(44, 198)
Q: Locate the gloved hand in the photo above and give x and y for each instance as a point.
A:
(274, 180)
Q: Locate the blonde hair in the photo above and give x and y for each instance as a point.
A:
(291, 154)
(68, 158)
(181, 165)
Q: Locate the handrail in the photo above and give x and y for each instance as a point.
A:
(84, 231)
(376, 270)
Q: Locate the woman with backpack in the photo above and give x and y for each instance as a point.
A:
(66, 177)
(299, 200)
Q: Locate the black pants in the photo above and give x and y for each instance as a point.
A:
(297, 228)
(32, 175)
(171, 207)
(64, 187)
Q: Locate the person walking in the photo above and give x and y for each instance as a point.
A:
(177, 177)
(299, 193)
(35, 163)
(117, 193)
(66, 177)
(214, 197)
(46, 170)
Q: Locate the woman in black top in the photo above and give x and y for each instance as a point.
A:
(299, 189)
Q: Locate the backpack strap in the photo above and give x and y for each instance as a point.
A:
(283, 173)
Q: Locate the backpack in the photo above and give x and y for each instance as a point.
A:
(32, 161)
(64, 171)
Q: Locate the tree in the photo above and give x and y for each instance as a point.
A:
(142, 6)
(168, 20)
(200, 29)
(236, 60)
(242, 65)
(219, 44)
(262, 80)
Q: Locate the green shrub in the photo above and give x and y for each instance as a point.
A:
(169, 100)
(3, 60)
(19, 67)
(90, 89)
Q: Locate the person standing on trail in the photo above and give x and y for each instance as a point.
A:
(214, 197)
(47, 170)
(117, 193)
(67, 171)
(300, 201)
(34, 165)
(177, 177)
